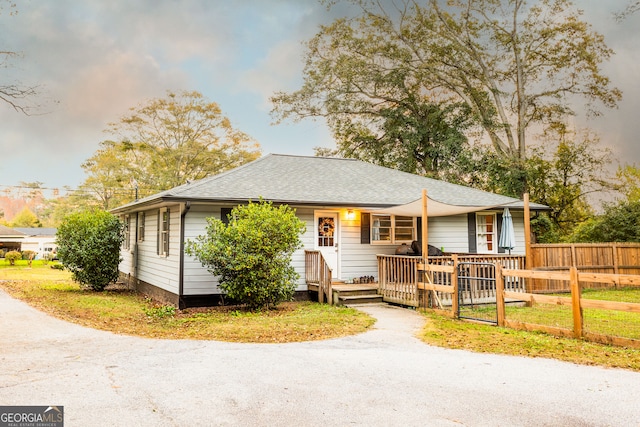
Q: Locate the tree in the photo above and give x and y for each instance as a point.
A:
(26, 218)
(629, 177)
(59, 207)
(631, 8)
(417, 138)
(564, 172)
(110, 178)
(566, 180)
(513, 66)
(15, 94)
(619, 223)
(166, 143)
(89, 246)
(251, 255)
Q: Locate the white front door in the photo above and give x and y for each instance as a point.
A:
(327, 239)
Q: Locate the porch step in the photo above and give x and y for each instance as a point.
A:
(349, 294)
(359, 299)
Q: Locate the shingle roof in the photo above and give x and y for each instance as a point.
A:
(326, 181)
(37, 231)
(10, 232)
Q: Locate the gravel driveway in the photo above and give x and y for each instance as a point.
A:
(384, 377)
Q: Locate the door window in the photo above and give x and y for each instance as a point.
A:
(486, 229)
(326, 231)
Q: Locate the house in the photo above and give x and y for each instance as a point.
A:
(41, 240)
(37, 239)
(347, 205)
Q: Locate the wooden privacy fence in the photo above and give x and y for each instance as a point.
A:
(577, 304)
(613, 258)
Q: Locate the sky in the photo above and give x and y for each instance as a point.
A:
(93, 60)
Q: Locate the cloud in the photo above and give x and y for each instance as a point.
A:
(279, 70)
(94, 59)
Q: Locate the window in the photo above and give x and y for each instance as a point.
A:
(127, 233)
(392, 229)
(486, 233)
(163, 232)
(141, 227)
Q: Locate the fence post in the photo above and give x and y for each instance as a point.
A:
(500, 294)
(454, 283)
(527, 233)
(575, 301)
(616, 263)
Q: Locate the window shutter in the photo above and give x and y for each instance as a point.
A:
(365, 228)
(498, 232)
(419, 230)
(224, 215)
(471, 225)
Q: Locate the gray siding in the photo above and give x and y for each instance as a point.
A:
(160, 271)
(356, 259)
(450, 233)
(197, 280)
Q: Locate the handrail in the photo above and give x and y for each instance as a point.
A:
(317, 272)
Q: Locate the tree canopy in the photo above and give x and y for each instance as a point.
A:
(629, 179)
(165, 143)
(507, 64)
(620, 222)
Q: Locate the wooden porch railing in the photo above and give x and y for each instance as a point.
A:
(399, 276)
(398, 279)
(317, 273)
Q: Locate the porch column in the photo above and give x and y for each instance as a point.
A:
(527, 233)
(425, 225)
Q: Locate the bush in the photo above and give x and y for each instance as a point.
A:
(620, 222)
(251, 255)
(12, 257)
(27, 255)
(89, 246)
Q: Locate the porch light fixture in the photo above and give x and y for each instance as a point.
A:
(351, 215)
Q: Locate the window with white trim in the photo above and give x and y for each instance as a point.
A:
(486, 233)
(163, 232)
(126, 244)
(141, 227)
(392, 229)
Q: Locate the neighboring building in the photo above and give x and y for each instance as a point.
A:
(340, 200)
(10, 239)
(40, 240)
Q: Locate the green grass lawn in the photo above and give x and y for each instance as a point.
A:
(127, 312)
(606, 322)
(446, 332)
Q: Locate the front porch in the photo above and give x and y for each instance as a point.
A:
(405, 280)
